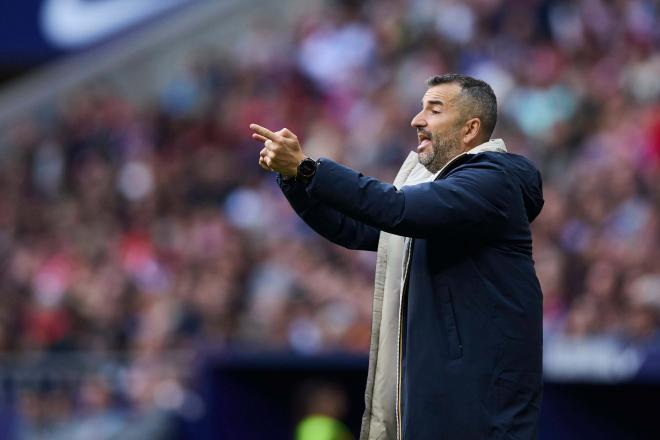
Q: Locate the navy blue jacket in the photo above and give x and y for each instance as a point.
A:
(472, 358)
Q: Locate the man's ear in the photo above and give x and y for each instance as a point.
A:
(471, 131)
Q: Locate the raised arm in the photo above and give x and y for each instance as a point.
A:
(282, 153)
(473, 198)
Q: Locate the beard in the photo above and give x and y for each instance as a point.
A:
(443, 150)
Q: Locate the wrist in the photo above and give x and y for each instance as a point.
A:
(292, 171)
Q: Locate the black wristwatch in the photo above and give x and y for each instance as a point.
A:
(306, 169)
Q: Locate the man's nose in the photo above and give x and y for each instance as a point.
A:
(418, 121)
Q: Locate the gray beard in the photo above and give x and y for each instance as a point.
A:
(442, 152)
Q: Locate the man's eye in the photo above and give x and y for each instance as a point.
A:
(435, 112)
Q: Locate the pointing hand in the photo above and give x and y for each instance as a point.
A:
(281, 152)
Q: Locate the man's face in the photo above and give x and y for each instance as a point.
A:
(439, 126)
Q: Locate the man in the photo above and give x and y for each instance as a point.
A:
(457, 312)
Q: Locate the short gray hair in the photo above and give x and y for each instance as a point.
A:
(482, 102)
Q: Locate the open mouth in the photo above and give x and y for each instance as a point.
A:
(424, 140)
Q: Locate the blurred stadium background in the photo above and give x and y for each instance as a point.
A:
(156, 285)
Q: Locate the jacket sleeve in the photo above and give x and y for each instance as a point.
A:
(329, 223)
(473, 198)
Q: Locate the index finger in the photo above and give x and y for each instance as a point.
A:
(263, 131)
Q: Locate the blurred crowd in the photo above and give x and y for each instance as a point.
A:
(145, 228)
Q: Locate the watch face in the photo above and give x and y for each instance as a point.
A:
(307, 167)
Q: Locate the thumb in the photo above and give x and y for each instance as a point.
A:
(285, 132)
